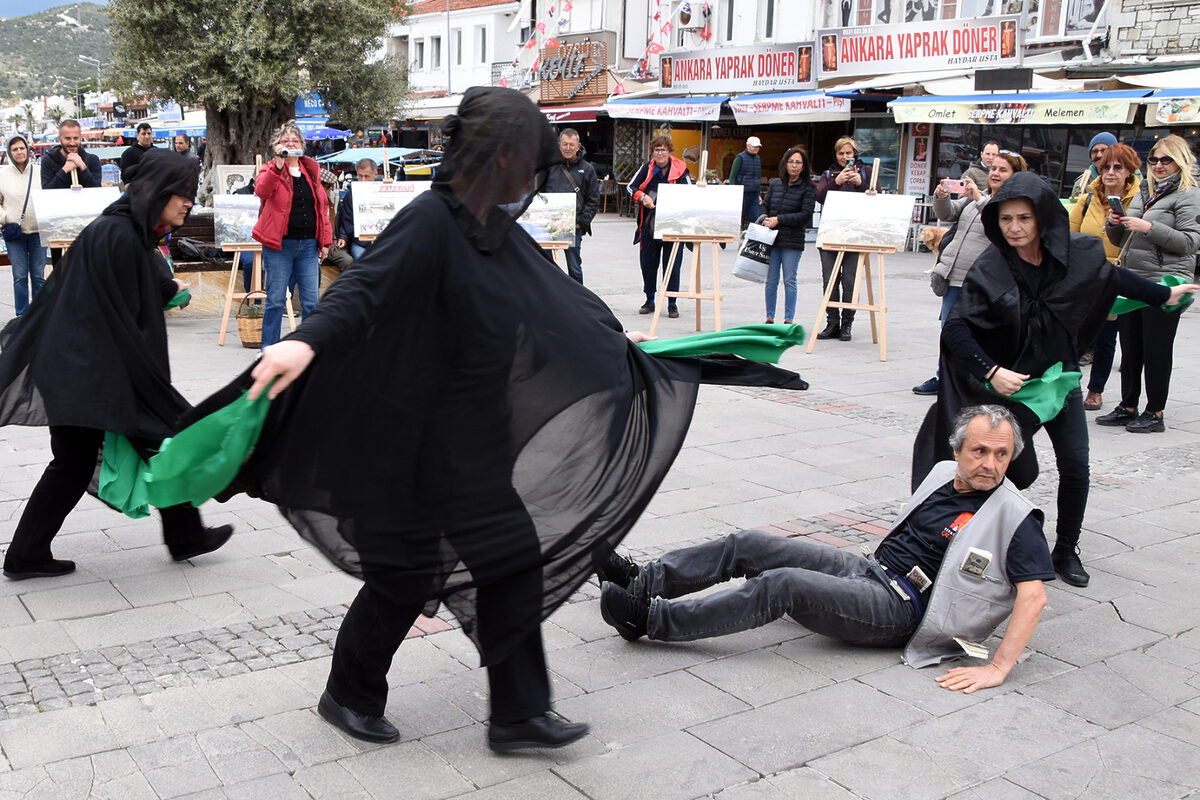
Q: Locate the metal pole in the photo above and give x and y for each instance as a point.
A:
(448, 90)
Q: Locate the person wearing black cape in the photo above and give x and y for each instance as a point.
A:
(471, 427)
(90, 356)
(1037, 296)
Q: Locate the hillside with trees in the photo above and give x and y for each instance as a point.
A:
(39, 48)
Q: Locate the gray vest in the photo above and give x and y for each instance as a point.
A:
(962, 604)
(750, 175)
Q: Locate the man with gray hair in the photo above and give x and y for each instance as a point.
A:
(966, 533)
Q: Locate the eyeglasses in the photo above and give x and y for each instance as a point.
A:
(795, 162)
(661, 150)
(1112, 168)
(1160, 160)
(1100, 148)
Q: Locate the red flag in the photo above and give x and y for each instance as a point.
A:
(531, 43)
(656, 16)
(541, 27)
(566, 6)
(504, 82)
(706, 32)
(667, 28)
(654, 49)
(620, 89)
(551, 43)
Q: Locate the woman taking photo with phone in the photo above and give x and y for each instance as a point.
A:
(293, 226)
(846, 175)
(1161, 236)
(1118, 184)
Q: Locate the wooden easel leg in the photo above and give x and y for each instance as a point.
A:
(256, 276)
(661, 297)
(694, 284)
(834, 274)
(237, 259)
(882, 313)
(716, 267)
(865, 270)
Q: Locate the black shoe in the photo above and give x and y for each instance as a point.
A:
(832, 331)
(1118, 416)
(647, 307)
(17, 570)
(672, 311)
(210, 540)
(845, 333)
(546, 730)
(1148, 422)
(1069, 567)
(617, 569)
(360, 726)
(929, 387)
(624, 611)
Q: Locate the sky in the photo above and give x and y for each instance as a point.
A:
(18, 8)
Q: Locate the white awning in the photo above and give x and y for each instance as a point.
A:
(1169, 79)
(1031, 108)
(763, 109)
(678, 109)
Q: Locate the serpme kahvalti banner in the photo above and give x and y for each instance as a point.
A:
(761, 68)
(980, 42)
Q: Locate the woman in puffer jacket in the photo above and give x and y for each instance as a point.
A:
(1162, 225)
(788, 209)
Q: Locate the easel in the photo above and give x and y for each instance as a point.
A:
(878, 333)
(255, 249)
(694, 292)
(554, 249)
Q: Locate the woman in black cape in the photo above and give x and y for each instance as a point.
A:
(471, 427)
(1037, 296)
(90, 356)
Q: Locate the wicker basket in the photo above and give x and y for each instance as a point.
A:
(250, 325)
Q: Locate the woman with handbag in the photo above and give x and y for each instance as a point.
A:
(1161, 236)
(789, 210)
(25, 249)
(1118, 178)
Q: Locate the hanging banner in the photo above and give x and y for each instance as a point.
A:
(1102, 108)
(692, 109)
(763, 109)
(778, 67)
(919, 47)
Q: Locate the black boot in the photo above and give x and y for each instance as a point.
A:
(1067, 564)
(832, 330)
(845, 332)
(624, 610)
(617, 569)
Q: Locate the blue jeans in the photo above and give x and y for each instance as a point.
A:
(295, 262)
(357, 250)
(787, 261)
(829, 591)
(574, 261)
(750, 209)
(948, 301)
(1102, 356)
(28, 259)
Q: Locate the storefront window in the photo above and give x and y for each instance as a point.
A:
(879, 137)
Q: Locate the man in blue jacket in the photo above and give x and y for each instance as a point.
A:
(747, 171)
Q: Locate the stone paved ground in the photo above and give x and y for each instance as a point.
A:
(140, 678)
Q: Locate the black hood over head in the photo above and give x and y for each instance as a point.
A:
(1053, 224)
(160, 174)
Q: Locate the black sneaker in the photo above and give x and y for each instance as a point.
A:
(1118, 416)
(617, 569)
(844, 334)
(1148, 422)
(672, 311)
(929, 387)
(832, 331)
(1069, 567)
(624, 611)
(647, 308)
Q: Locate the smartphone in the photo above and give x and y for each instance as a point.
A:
(1115, 204)
(849, 163)
(953, 187)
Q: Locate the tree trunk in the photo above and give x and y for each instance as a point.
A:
(237, 135)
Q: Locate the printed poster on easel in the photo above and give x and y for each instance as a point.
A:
(865, 220)
(550, 218)
(63, 213)
(234, 218)
(687, 211)
(377, 202)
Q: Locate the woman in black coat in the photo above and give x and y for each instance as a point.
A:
(789, 209)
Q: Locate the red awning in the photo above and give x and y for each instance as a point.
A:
(93, 133)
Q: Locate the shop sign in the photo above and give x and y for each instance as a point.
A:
(1178, 110)
(803, 107)
(565, 115)
(1108, 111)
(779, 67)
(919, 47)
(706, 109)
(920, 148)
(573, 73)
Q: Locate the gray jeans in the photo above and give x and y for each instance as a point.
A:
(829, 591)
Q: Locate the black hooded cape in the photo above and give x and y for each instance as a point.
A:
(1021, 324)
(467, 397)
(91, 351)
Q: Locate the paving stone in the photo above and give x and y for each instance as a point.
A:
(886, 768)
(54, 736)
(331, 782)
(759, 677)
(409, 764)
(536, 786)
(611, 661)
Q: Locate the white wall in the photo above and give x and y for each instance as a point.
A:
(476, 66)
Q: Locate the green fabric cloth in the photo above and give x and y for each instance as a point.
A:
(181, 297)
(204, 458)
(1123, 305)
(1045, 396)
(123, 477)
(756, 342)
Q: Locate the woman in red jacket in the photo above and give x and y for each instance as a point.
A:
(293, 226)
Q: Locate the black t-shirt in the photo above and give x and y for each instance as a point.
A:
(302, 222)
(923, 538)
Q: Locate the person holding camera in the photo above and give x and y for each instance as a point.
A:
(25, 250)
(293, 226)
(847, 175)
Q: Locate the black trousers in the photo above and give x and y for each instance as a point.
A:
(653, 253)
(1147, 343)
(843, 291)
(75, 452)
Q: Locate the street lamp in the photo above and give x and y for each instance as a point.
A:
(74, 86)
(97, 63)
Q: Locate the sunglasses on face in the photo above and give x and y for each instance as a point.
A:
(1113, 168)
(1153, 160)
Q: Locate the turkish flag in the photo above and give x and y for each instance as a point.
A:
(551, 43)
(654, 49)
(667, 28)
(541, 27)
